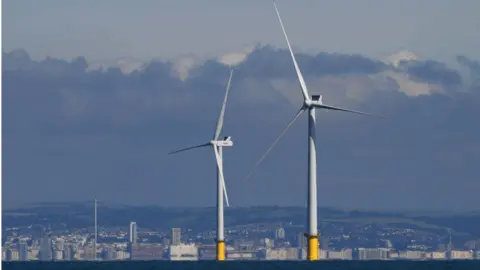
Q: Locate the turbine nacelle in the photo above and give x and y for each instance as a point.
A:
(315, 100)
(224, 143)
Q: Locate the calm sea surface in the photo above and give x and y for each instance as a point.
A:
(166, 265)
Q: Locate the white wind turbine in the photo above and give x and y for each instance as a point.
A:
(217, 146)
(310, 103)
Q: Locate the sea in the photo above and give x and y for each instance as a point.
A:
(264, 265)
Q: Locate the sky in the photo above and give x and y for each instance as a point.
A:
(95, 94)
(109, 29)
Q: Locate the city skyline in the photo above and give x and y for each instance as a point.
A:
(362, 236)
(69, 124)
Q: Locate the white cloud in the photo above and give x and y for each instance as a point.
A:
(396, 58)
(235, 58)
(405, 83)
(127, 65)
(410, 87)
(183, 64)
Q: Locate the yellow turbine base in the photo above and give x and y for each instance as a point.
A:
(312, 251)
(220, 250)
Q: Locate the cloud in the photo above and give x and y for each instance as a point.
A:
(397, 58)
(126, 65)
(72, 125)
(473, 76)
(183, 65)
(235, 58)
(432, 72)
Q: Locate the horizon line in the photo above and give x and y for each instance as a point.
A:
(110, 204)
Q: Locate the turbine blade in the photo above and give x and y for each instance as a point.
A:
(188, 148)
(328, 107)
(220, 169)
(275, 142)
(297, 69)
(222, 112)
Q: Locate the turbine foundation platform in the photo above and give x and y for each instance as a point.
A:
(312, 249)
(220, 250)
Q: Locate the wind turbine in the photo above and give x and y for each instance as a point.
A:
(221, 190)
(310, 103)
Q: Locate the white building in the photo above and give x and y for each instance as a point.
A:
(58, 255)
(122, 255)
(176, 236)
(15, 255)
(183, 253)
(268, 243)
(322, 254)
(344, 254)
(133, 232)
(280, 233)
(372, 253)
(412, 255)
(461, 255)
(281, 254)
(241, 255)
(33, 254)
(435, 255)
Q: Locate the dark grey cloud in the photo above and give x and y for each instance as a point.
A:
(432, 72)
(267, 61)
(72, 133)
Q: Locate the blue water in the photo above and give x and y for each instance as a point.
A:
(167, 265)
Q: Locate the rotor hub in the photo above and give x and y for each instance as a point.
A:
(308, 103)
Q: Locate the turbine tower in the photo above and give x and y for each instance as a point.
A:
(221, 189)
(310, 103)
